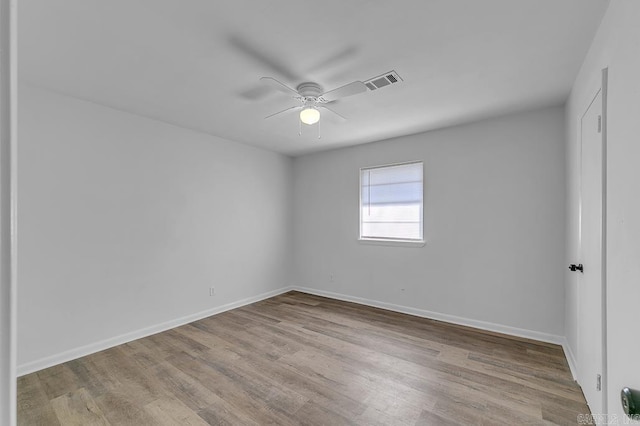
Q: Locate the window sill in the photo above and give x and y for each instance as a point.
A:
(392, 243)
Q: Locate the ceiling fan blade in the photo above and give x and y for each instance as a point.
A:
(280, 112)
(257, 53)
(344, 91)
(334, 61)
(340, 116)
(278, 85)
(255, 93)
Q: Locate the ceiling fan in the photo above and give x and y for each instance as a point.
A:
(312, 98)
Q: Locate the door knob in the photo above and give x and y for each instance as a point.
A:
(574, 267)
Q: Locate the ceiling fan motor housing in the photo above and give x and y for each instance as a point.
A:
(309, 90)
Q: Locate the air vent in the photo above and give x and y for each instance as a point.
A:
(383, 80)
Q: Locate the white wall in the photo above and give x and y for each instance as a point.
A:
(494, 224)
(125, 223)
(615, 46)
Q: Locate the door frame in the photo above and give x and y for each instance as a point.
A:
(8, 195)
(603, 88)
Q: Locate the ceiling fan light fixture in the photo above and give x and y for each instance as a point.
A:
(310, 115)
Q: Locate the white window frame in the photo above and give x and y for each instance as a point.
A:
(406, 242)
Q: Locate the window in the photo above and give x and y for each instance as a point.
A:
(391, 202)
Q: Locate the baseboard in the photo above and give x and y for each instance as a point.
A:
(60, 358)
(571, 359)
(72, 354)
(482, 325)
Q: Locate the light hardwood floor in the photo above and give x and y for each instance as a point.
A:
(303, 359)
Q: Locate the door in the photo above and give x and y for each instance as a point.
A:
(590, 281)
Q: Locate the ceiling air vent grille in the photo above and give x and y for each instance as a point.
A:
(383, 80)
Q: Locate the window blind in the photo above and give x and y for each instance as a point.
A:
(391, 202)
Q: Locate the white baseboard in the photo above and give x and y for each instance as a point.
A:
(60, 358)
(72, 354)
(482, 325)
(571, 359)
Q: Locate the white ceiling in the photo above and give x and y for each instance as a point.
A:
(197, 63)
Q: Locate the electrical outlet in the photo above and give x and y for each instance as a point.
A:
(212, 291)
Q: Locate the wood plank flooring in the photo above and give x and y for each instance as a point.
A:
(300, 359)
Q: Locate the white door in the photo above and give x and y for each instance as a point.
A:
(590, 281)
